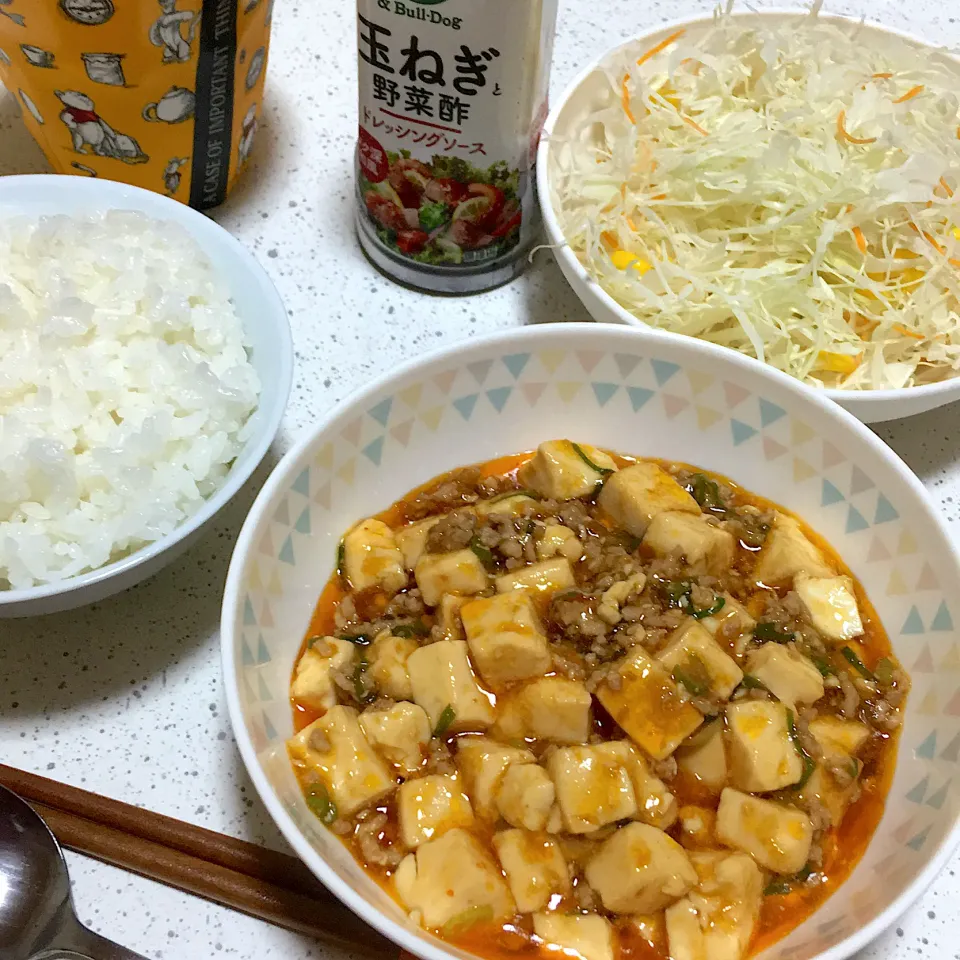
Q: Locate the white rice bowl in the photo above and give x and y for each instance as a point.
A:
(125, 389)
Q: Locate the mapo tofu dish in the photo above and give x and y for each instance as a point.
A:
(570, 700)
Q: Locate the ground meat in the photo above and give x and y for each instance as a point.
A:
(378, 844)
(664, 769)
(457, 489)
(406, 604)
(850, 698)
(439, 758)
(881, 715)
(452, 532)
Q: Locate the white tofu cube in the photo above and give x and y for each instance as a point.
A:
(507, 642)
(787, 674)
(716, 920)
(593, 788)
(730, 621)
(459, 572)
(514, 504)
(334, 747)
(448, 616)
(482, 764)
(684, 936)
(526, 795)
(534, 866)
(832, 605)
(388, 657)
(428, 807)
(559, 472)
(557, 540)
(640, 869)
(647, 704)
(545, 577)
(695, 660)
(450, 876)
(577, 935)
(787, 552)
(412, 540)
(552, 708)
(636, 494)
(777, 836)
(372, 559)
(761, 755)
(703, 757)
(313, 684)
(441, 677)
(839, 738)
(704, 547)
(656, 805)
(400, 734)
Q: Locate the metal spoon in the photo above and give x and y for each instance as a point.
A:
(36, 911)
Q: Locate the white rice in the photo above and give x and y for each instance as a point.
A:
(125, 389)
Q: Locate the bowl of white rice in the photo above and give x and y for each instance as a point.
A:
(145, 364)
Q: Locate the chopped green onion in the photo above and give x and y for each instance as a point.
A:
(715, 607)
(857, 663)
(483, 553)
(447, 716)
(809, 765)
(693, 676)
(578, 450)
(314, 639)
(514, 493)
(821, 664)
(342, 562)
(777, 888)
(676, 590)
(409, 630)
(751, 682)
(478, 913)
(884, 671)
(706, 492)
(805, 874)
(770, 631)
(318, 800)
(854, 767)
(569, 595)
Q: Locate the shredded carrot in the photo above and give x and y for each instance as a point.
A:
(662, 45)
(696, 126)
(631, 224)
(910, 94)
(861, 240)
(907, 332)
(939, 247)
(864, 326)
(946, 186)
(881, 76)
(659, 196)
(609, 240)
(954, 262)
(625, 99)
(842, 130)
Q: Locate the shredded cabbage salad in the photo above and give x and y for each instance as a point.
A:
(786, 189)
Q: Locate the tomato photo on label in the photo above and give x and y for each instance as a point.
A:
(387, 213)
(411, 241)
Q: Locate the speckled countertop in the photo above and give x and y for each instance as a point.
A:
(125, 697)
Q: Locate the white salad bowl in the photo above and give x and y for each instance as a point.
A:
(271, 353)
(590, 90)
(669, 397)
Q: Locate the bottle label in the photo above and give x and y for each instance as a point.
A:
(453, 95)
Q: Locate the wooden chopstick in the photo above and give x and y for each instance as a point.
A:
(239, 855)
(235, 874)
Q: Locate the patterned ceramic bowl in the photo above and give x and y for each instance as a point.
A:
(666, 397)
